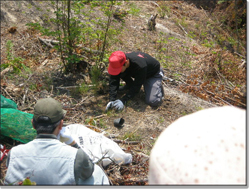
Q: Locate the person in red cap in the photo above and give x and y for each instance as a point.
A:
(136, 69)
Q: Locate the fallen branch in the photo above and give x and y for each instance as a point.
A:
(239, 55)
(126, 142)
(80, 103)
(50, 43)
(76, 115)
(100, 116)
(24, 96)
(144, 155)
(7, 94)
(43, 63)
(219, 98)
(226, 81)
(183, 29)
(236, 101)
(46, 42)
(6, 70)
(68, 87)
(242, 64)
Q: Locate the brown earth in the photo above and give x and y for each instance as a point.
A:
(143, 124)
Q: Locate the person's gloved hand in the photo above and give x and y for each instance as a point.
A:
(109, 105)
(65, 136)
(118, 104)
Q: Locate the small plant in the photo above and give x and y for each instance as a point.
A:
(14, 62)
(95, 73)
(199, 108)
(134, 10)
(101, 124)
(90, 121)
(176, 76)
(161, 120)
(191, 35)
(163, 10)
(71, 31)
(131, 136)
(83, 88)
(207, 43)
(183, 22)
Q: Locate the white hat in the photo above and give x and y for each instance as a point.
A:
(206, 147)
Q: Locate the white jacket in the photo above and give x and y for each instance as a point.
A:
(45, 161)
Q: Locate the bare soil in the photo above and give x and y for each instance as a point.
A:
(143, 124)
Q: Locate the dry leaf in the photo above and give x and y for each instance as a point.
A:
(12, 29)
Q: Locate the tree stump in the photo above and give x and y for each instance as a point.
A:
(151, 22)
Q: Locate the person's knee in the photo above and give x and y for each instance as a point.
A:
(154, 102)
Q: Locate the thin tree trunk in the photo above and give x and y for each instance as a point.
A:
(69, 33)
(106, 33)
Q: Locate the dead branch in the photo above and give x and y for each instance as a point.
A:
(226, 81)
(153, 2)
(76, 115)
(6, 70)
(43, 63)
(242, 64)
(90, 50)
(46, 42)
(236, 101)
(218, 97)
(239, 55)
(68, 87)
(100, 116)
(144, 155)
(50, 43)
(80, 103)
(24, 96)
(26, 90)
(7, 93)
(183, 29)
(126, 142)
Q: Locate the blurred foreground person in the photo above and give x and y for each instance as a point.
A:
(48, 161)
(207, 148)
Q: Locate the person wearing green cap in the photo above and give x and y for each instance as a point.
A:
(47, 160)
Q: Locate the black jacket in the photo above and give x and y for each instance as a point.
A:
(142, 66)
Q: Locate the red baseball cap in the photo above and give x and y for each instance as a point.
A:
(116, 61)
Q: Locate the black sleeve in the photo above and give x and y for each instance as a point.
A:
(76, 146)
(114, 82)
(136, 86)
(84, 167)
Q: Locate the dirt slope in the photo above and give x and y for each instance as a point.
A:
(142, 123)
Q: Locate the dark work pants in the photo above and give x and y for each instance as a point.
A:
(154, 90)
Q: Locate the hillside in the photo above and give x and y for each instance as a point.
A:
(203, 56)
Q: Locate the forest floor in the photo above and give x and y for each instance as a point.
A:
(186, 90)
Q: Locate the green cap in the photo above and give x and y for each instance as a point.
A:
(49, 107)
